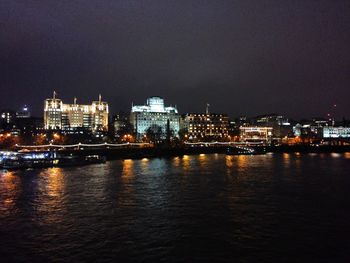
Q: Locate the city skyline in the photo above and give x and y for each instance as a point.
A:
(244, 58)
(174, 130)
(206, 108)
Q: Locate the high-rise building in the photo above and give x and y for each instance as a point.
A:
(154, 115)
(53, 113)
(61, 116)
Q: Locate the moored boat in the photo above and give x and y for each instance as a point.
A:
(18, 160)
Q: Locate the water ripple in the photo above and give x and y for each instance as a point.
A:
(205, 208)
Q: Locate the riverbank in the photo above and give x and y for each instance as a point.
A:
(152, 152)
(76, 157)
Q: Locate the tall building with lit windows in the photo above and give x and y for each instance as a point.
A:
(60, 116)
(155, 115)
(53, 113)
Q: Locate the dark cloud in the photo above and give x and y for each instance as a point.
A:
(243, 57)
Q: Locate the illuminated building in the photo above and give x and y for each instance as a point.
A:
(53, 113)
(280, 125)
(311, 128)
(121, 124)
(271, 120)
(336, 132)
(20, 122)
(8, 122)
(66, 117)
(256, 134)
(23, 113)
(206, 125)
(7, 117)
(154, 115)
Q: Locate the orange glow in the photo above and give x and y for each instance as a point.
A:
(186, 162)
(286, 156)
(128, 138)
(51, 205)
(203, 159)
(229, 161)
(286, 159)
(128, 168)
(11, 184)
(242, 162)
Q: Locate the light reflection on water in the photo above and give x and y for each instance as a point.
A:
(347, 155)
(186, 161)
(50, 204)
(176, 161)
(195, 208)
(10, 190)
(336, 155)
(229, 160)
(286, 159)
(128, 169)
(54, 183)
(242, 162)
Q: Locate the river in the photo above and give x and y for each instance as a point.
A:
(199, 208)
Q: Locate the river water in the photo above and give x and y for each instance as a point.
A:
(200, 208)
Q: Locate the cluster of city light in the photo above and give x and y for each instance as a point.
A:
(5, 135)
(82, 145)
(223, 143)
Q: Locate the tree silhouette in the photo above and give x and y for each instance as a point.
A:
(155, 133)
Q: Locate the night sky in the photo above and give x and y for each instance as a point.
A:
(243, 57)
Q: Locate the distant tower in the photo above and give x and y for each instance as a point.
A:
(207, 109)
(53, 113)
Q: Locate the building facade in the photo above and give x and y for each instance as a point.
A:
(256, 134)
(154, 115)
(281, 127)
(60, 116)
(206, 126)
(121, 124)
(23, 113)
(7, 117)
(336, 132)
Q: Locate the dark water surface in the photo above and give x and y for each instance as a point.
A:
(205, 208)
